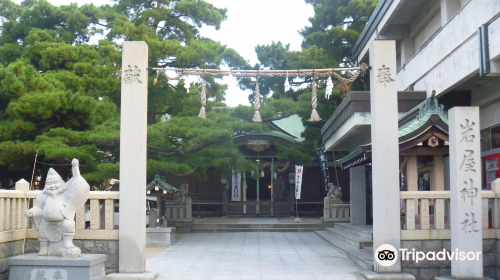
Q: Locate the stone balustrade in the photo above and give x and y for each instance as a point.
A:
(427, 215)
(97, 235)
(13, 224)
(180, 215)
(179, 211)
(335, 211)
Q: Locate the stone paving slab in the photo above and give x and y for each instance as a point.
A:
(253, 255)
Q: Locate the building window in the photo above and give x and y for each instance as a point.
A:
(490, 138)
(495, 137)
(485, 140)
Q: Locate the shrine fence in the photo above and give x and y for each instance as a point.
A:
(426, 215)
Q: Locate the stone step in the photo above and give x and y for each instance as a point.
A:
(256, 226)
(360, 257)
(362, 231)
(353, 240)
(369, 250)
(292, 229)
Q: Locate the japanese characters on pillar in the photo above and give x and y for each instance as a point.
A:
(385, 151)
(133, 157)
(299, 170)
(235, 187)
(132, 74)
(465, 179)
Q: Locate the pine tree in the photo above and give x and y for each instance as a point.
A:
(60, 96)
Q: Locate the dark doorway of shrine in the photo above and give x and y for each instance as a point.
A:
(264, 188)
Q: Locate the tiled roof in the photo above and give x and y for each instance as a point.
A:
(292, 125)
(160, 180)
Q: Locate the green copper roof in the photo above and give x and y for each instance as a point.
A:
(288, 129)
(160, 180)
(270, 134)
(414, 124)
(291, 125)
(359, 150)
(425, 109)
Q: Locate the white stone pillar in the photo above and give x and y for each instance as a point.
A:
(465, 191)
(358, 195)
(133, 149)
(385, 150)
(412, 178)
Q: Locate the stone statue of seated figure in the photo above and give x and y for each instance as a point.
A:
(54, 211)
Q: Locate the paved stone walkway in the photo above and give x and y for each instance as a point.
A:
(253, 255)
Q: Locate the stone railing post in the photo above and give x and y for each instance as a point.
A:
(152, 218)
(326, 208)
(24, 186)
(495, 187)
(189, 210)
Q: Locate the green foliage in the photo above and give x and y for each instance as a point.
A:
(327, 43)
(60, 96)
(189, 145)
(336, 26)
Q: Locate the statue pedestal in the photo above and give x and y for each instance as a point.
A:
(335, 201)
(32, 266)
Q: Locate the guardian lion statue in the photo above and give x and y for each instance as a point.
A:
(334, 192)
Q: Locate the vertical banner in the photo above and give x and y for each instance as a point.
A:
(299, 170)
(236, 186)
(244, 186)
(323, 165)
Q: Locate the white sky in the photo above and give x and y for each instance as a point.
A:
(249, 23)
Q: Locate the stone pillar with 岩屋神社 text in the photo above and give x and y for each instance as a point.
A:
(465, 191)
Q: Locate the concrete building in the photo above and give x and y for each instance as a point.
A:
(449, 52)
(451, 47)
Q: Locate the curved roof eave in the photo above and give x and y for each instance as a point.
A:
(433, 124)
(273, 136)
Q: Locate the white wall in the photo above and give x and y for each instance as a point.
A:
(487, 97)
(487, 93)
(429, 30)
(463, 3)
(490, 115)
(452, 55)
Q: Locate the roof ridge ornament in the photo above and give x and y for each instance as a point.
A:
(431, 105)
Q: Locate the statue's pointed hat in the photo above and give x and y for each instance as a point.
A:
(53, 174)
